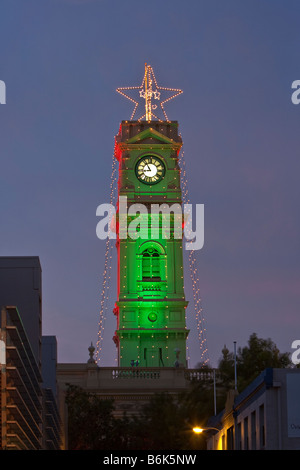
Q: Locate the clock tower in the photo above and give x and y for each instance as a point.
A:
(150, 309)
(151, 306)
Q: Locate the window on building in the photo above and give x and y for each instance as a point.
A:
(239, 437)
(253, 430)
(230, 438)
(246, 438)
(262, 426)
(151, 264)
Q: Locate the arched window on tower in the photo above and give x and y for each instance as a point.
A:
(151, 265)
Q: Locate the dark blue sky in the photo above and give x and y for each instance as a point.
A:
(62, 61)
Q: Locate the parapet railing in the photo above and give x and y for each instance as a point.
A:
(135, 373)
(156, 373)
(200, 374)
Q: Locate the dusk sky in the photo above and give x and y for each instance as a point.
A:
(235, 60)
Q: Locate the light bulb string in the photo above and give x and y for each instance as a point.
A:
(199, 317)
(106, 276)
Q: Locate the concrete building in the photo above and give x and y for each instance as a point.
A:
(21, 392)
(265, 416)
(21, 285)
(52, 426)
(29, 412)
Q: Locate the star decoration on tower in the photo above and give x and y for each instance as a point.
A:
(149, 91)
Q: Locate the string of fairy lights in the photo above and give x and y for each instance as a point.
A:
(107, 271)
(194, 274)
(148, 93)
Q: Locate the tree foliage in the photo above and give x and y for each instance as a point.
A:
(91, 425)
(164, 422)
(251, 360)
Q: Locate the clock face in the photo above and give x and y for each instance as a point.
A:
(150, 169)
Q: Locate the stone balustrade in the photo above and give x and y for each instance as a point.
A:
(92, 377)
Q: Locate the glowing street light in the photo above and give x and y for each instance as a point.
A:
(198, 430)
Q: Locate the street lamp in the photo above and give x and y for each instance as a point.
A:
(198, 430)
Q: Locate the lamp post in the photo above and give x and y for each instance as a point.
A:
(235, 376)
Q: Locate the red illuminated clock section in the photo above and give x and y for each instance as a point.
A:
(150, 169)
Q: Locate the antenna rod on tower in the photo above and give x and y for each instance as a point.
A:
(148, 94)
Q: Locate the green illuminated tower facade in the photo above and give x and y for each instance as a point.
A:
(151, 306)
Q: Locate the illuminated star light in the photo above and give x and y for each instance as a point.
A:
(147, 92)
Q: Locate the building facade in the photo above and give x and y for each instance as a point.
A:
(129, 387)
(29, 410)
(21, 387)
(265, 416)
(52, 424)
(21, 285)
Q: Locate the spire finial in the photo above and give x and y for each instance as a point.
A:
(91, 352)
